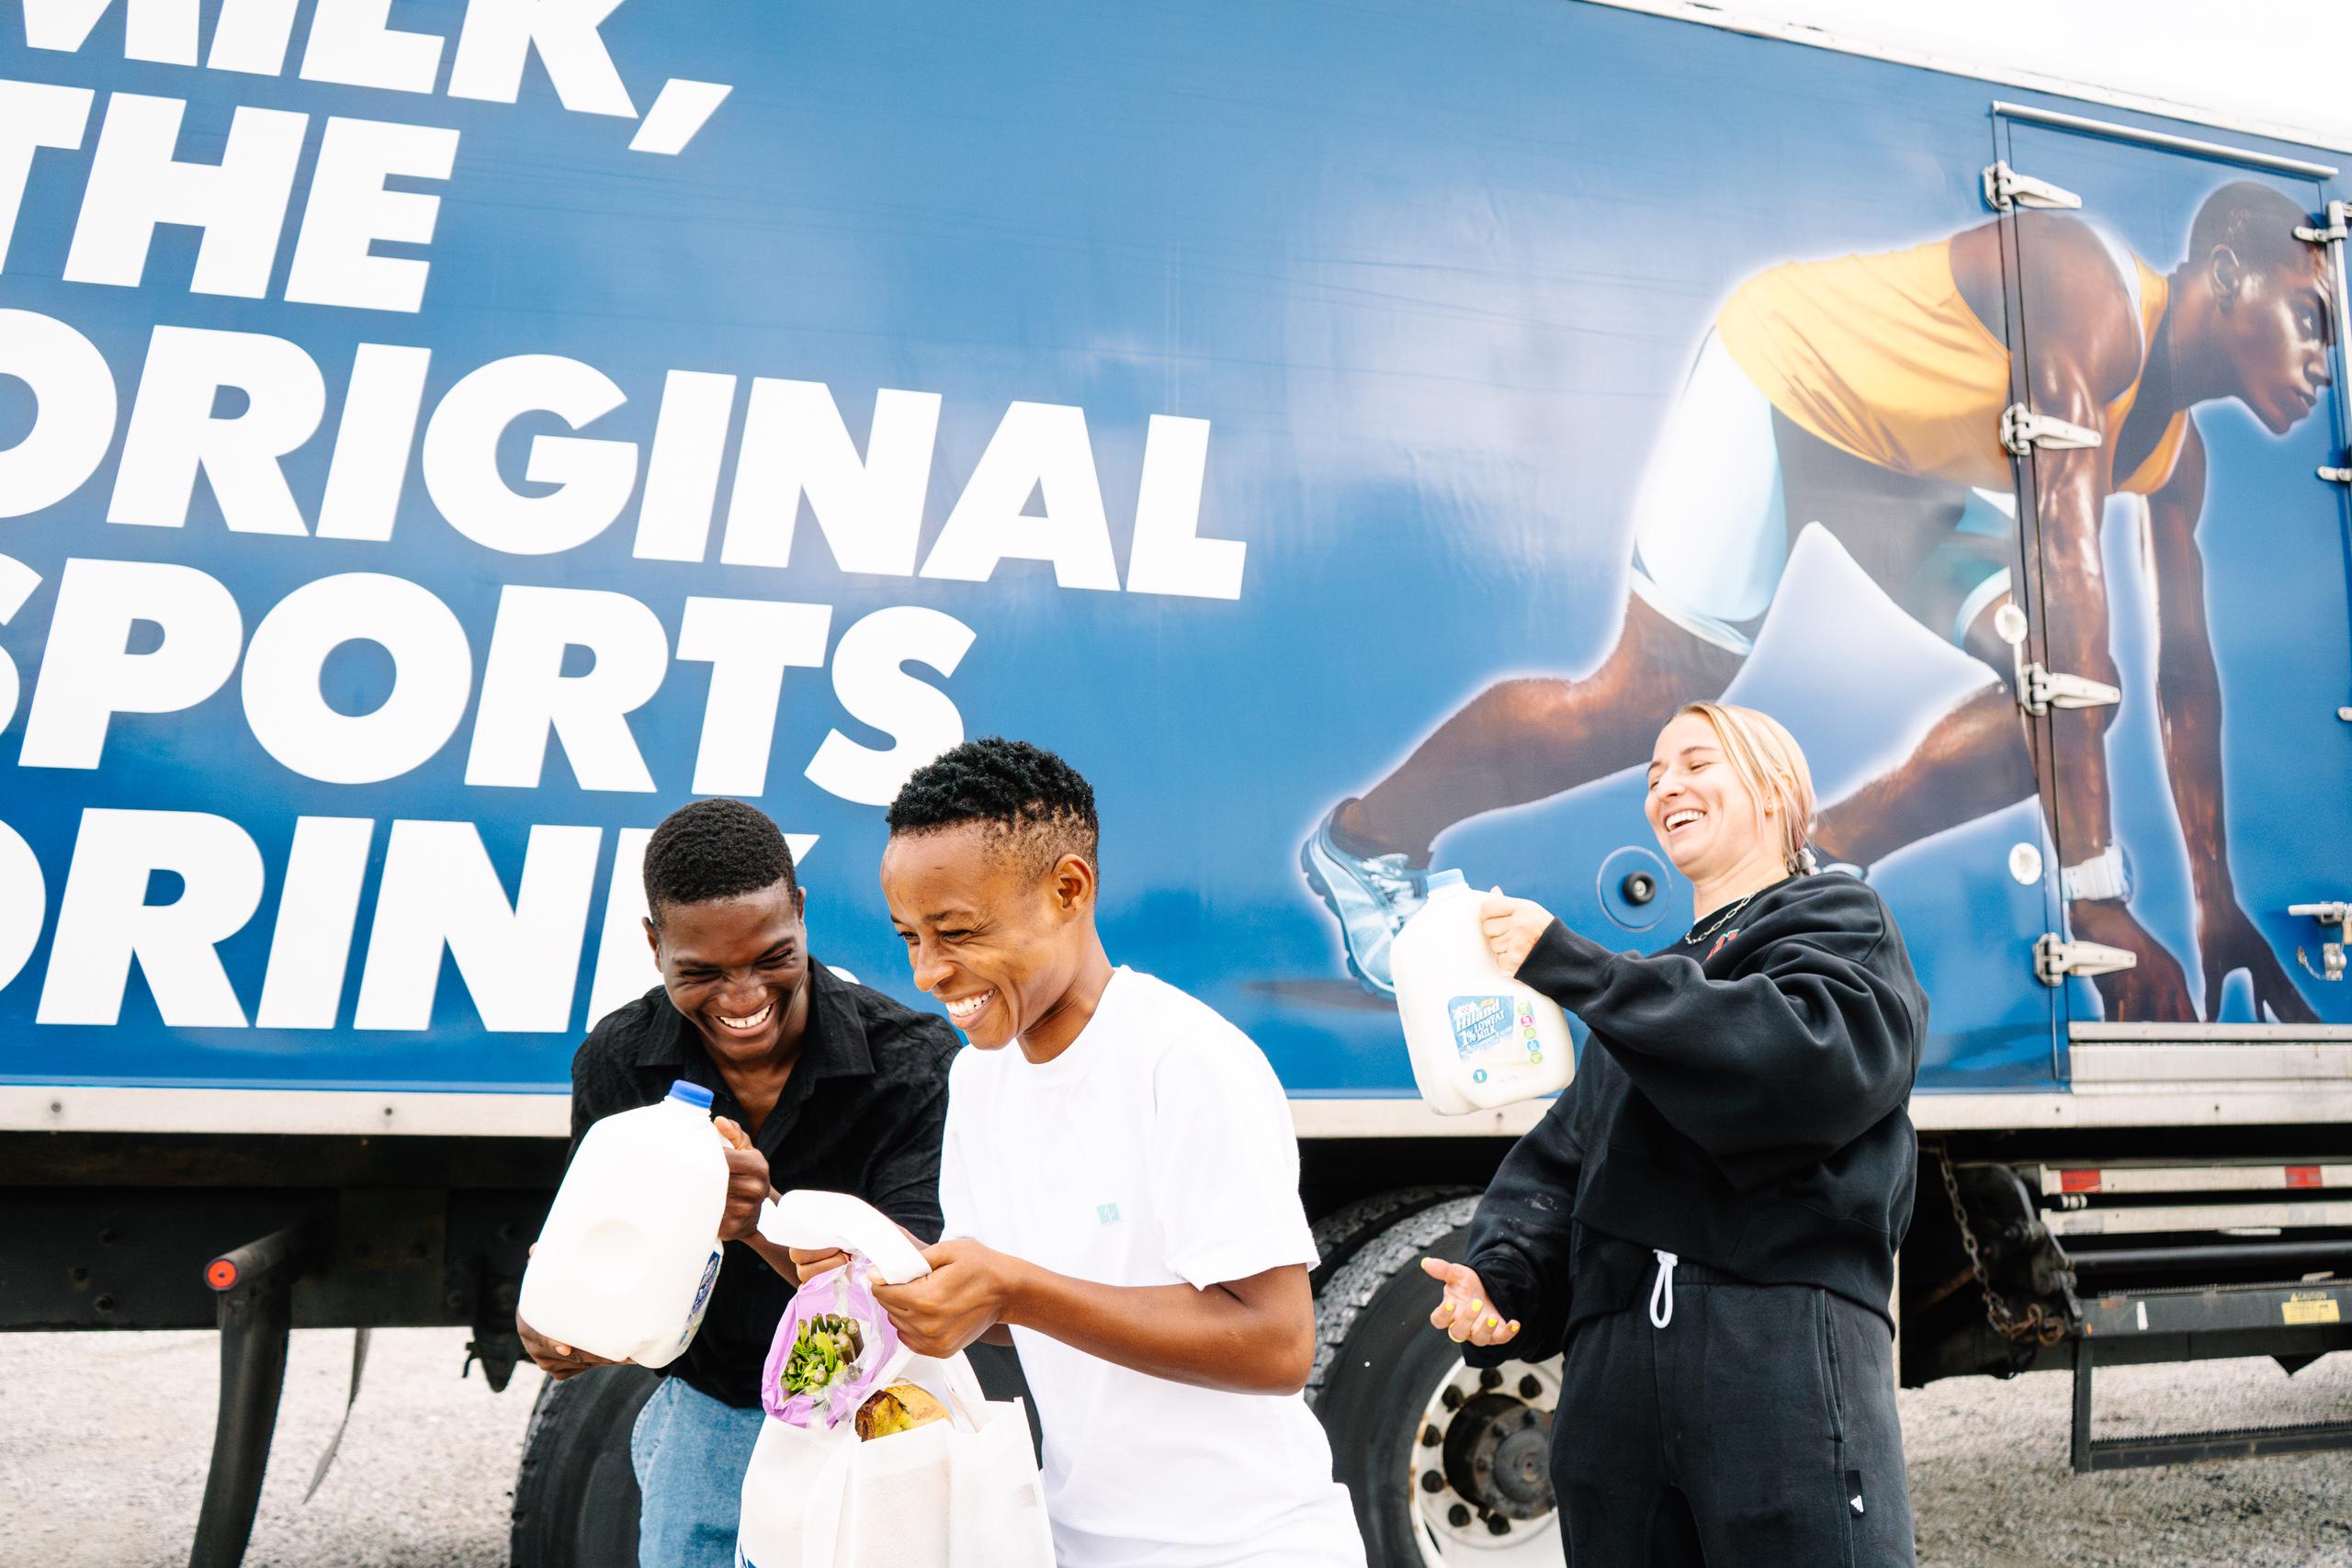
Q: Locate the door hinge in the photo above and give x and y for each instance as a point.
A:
(2337, 226)
(2005, 190)
(2040, 689)
(2334, 231)
(2022, 429)
(2055, 958)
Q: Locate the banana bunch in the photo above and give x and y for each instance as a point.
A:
(901, 1407)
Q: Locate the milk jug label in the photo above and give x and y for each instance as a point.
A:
(1494, 1031)
(702, 1298)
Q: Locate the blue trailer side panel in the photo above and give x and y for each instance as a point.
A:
(1434, 278)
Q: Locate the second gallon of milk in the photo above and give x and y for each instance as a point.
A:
(1478, 1038)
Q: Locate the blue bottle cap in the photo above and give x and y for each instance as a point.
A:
(1437, 879)
(694, 1094)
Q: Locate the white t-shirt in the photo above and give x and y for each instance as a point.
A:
(1156, 1150)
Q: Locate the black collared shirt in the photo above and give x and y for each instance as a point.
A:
(863, 1112)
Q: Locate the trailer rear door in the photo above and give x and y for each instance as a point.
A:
(2207, 793)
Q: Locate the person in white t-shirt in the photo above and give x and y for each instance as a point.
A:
(1120, 1191)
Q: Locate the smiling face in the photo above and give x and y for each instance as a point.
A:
(1706, 819)
(737, 968)
(2274, 334)
(1000, 941)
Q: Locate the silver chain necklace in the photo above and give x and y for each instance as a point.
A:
(1695, 934)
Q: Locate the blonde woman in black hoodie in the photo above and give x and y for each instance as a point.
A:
(1706, 1221)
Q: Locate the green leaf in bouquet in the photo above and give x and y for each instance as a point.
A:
(824, 1349)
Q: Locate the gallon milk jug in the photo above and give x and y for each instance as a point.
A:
(626, 1259)
(1478, 1038)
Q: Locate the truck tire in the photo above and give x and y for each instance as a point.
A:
(1447, 1466)
(575, 1496)
(1340, 1234)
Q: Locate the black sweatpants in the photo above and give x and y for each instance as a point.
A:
(1756, 1429)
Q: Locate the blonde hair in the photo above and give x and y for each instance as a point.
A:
(1772, 764)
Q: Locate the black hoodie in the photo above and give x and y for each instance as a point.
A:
(1739, 1102)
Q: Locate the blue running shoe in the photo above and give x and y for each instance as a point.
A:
(1371, 895)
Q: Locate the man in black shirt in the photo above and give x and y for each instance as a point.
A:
(817, 1082)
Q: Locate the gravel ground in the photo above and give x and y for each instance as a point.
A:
(109, 1434)
(1991, 1488)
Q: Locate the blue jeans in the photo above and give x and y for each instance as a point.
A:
(690, 1452)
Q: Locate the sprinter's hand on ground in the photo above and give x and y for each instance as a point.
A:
(2230, 940)
(1513, 927)
(747, 1183)
(958, 1300)
(1465, 1315)
(558, 1361)
(810, 1262)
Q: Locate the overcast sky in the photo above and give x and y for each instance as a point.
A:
(2279, 62)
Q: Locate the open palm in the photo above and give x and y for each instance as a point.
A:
(1466, 1314)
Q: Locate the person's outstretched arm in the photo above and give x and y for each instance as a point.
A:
(1252, 1336)
(1810, 1041)
(1519, 1243)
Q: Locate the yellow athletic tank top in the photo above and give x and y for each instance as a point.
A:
(1881, 357)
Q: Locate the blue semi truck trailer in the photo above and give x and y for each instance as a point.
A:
(437, 441)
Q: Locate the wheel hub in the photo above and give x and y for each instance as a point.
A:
(1481, 1463)
(1497, 1455)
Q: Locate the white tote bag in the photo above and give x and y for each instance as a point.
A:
(957, 1494)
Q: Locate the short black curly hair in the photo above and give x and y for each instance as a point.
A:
(711, 850)
(2258, 223)
(1040, 806)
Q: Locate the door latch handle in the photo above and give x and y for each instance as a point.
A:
(2332, 960)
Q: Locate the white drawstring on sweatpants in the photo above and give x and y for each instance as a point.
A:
(1662, 1289)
